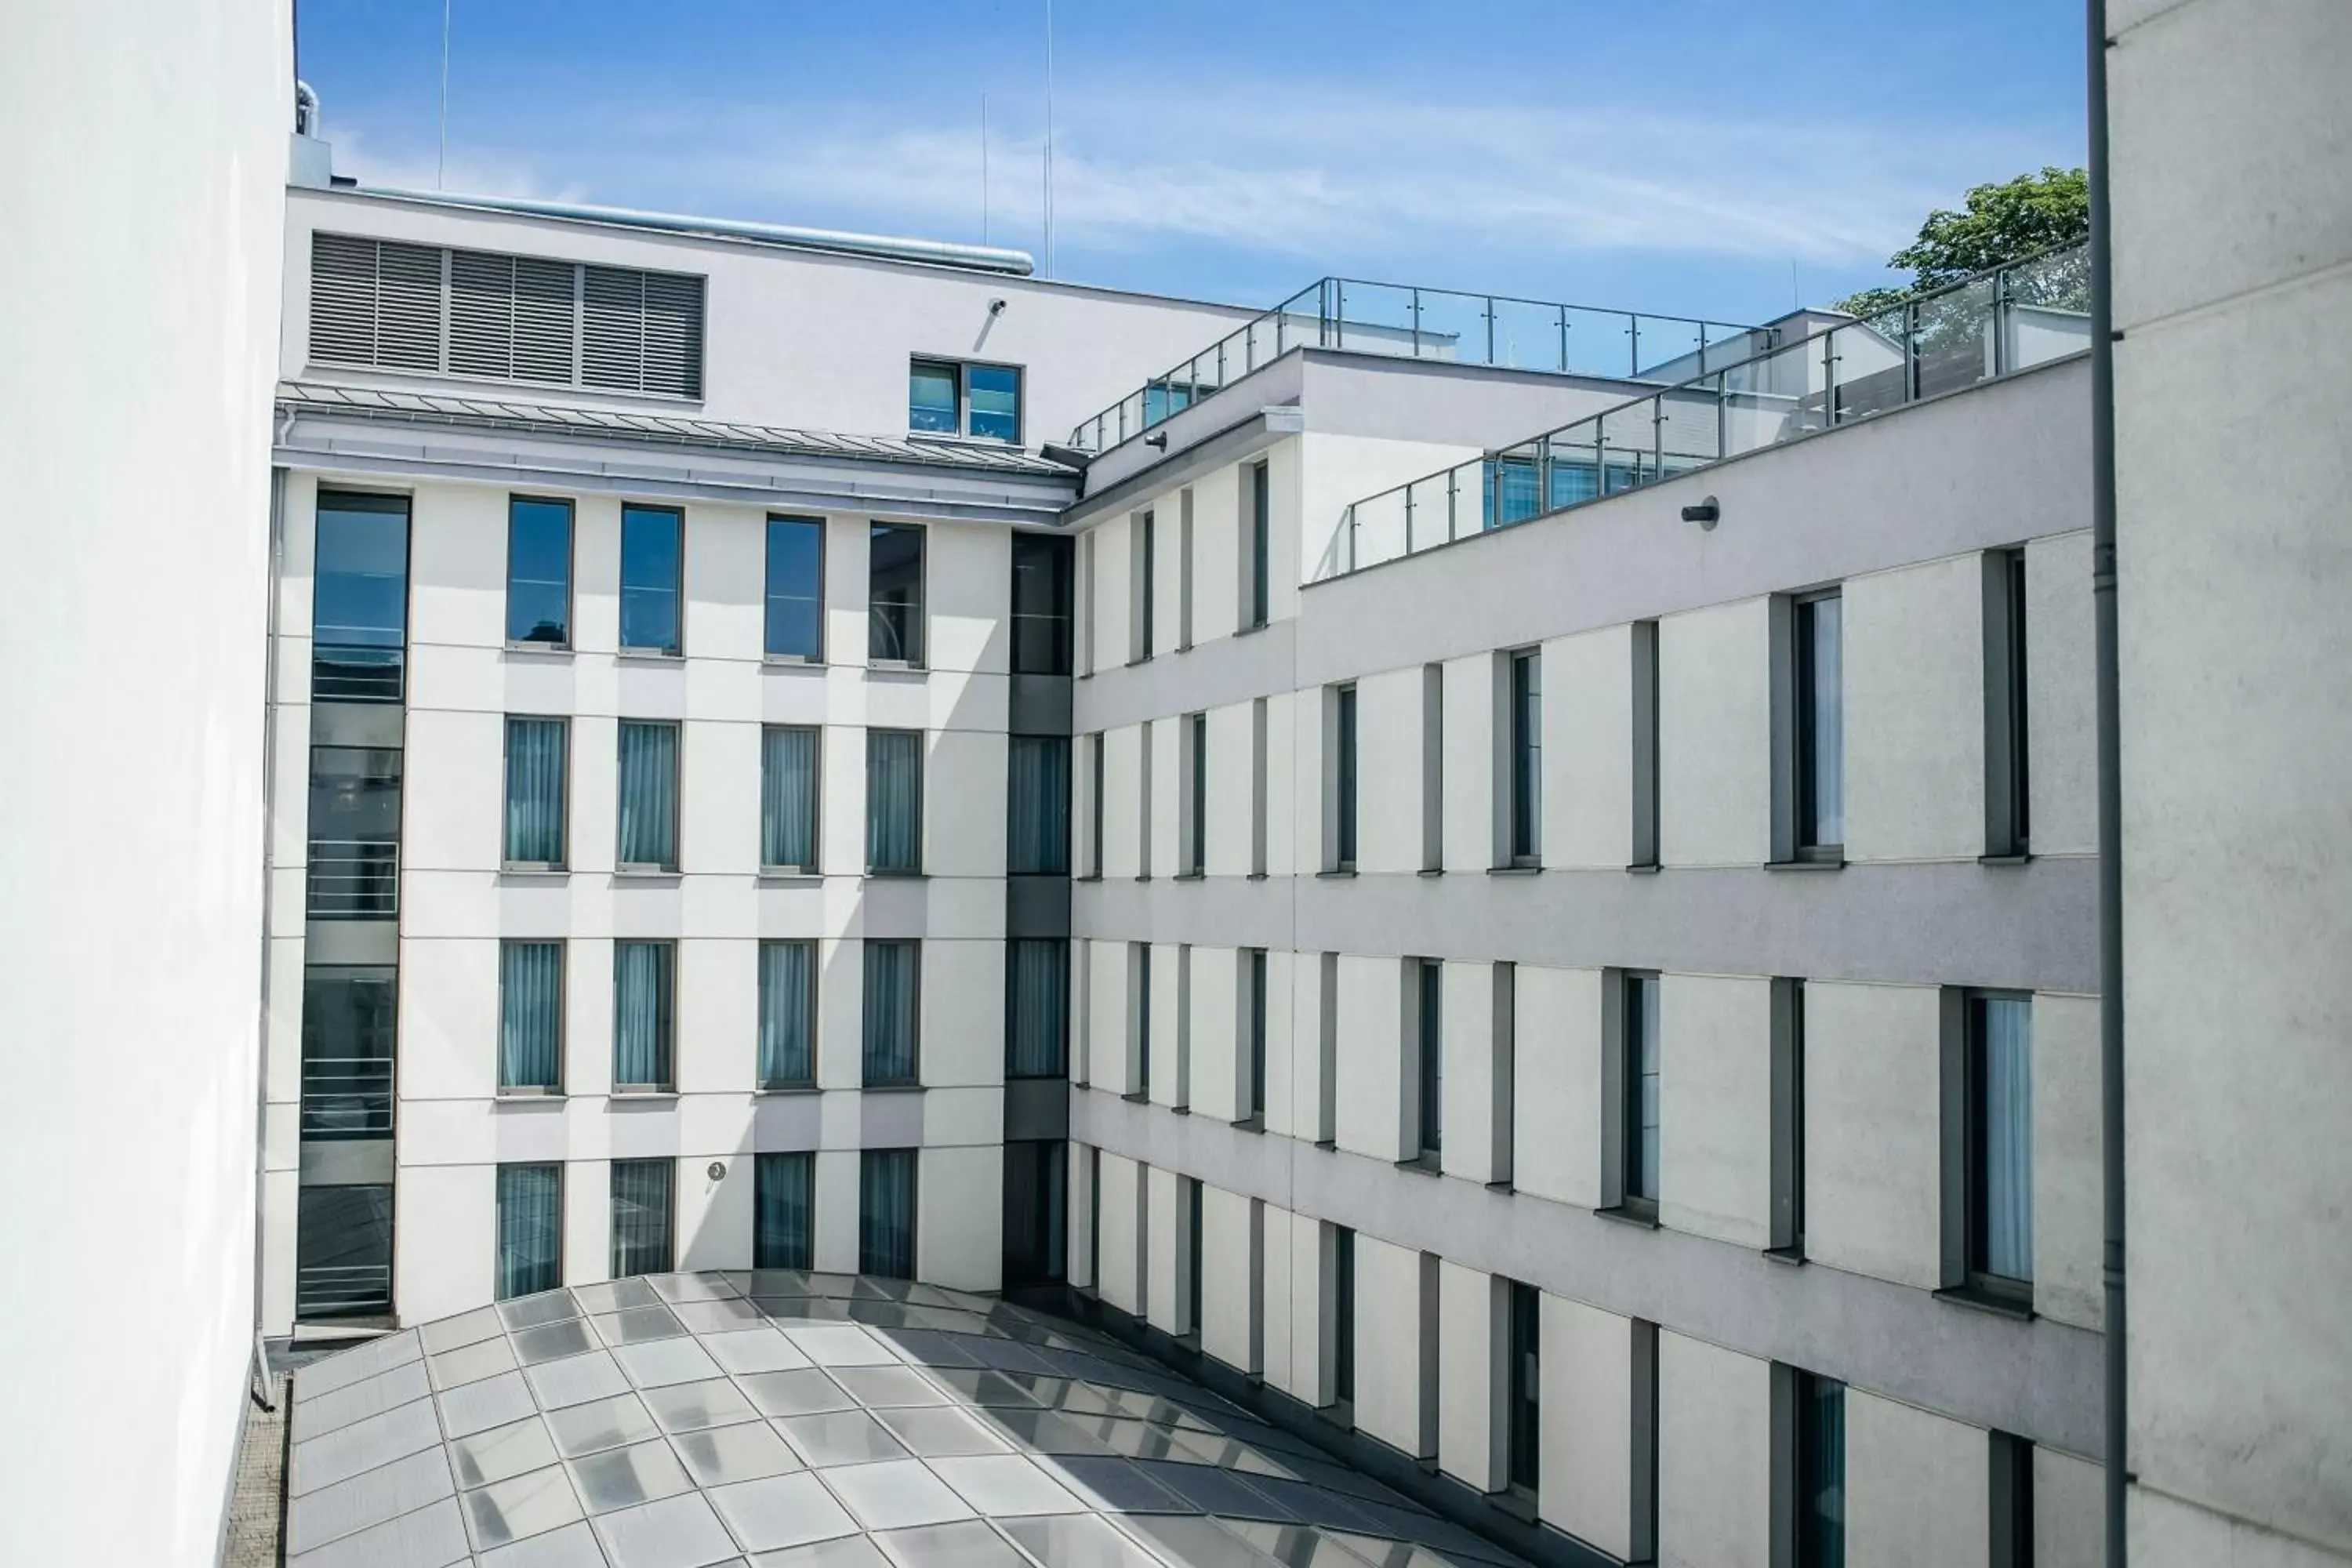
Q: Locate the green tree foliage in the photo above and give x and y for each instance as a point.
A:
(1998, 224)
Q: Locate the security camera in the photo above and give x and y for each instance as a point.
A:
(996, 307)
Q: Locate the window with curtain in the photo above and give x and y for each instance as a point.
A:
(885, 1214)
(2001, 1143)
(642, 1004)
(1038, 993)
(530, 1229)
(783, 1208)
(787, 1014)
(531, 1015)
(535, 761)
(894, 801)
(795, 588)
(1525, 1432)
(894, 592)
(1526, 758)
(1642, 1104)
(788, 798)
(1432, 1057)
(1035, 1194)
(1820, 762)
(648, 795)
(893, 978)
(1037, 837)
(539, 571)
(1821, 1472)
(641, 1216)
(652, 569)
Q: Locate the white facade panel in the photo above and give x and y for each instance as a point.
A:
(1715, 1085)
(1371, 1066)
(1715, 1456)
(1588, 748)
(1586, 1485)
(1873, 1098)
(1715, 736)
(1915, 1486)
(1915, 713)
(1556, 1112)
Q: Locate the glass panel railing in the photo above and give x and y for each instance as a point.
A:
(1420, 323)
(2027, 314)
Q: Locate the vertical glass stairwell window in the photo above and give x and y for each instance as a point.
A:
(536, 758)
(651, 574)
(1037, 990)
(648, 797)
(788, 800)
(353, 864)
(359, 611)
(1037, 836)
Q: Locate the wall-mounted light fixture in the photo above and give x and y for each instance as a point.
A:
(1706, 513)
(1157, 438)
(717, 1170)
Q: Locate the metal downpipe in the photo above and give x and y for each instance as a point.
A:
(2110, 752)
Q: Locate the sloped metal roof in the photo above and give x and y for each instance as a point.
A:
(777, 1419)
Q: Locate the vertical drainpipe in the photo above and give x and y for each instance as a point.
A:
(276, 553)
(2110, 748)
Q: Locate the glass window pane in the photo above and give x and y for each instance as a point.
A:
(787, 1014)
(359, 611)
(1347, 727)
(530, 1014)
(648, 795)
(995, 402)
(2005, 1152)
(1037, 986)
(932, 398)
(1821, 696)
(353, 865)
(1037, 839)
(530, 1229)
(788, 799)
(539, 571)
(885, 1214)
(641, 1218)
(642, 1014)
(1041, 604)
(895, 593)
(892, 984)
(783, 1188)
(535, 791)
(348, 1019)
(1035, 1186)
(649, 579)
(343, 1251)
(795, 588)
(1432, 1056)
(894, 800)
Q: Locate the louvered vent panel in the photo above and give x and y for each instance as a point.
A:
(481, 314)
(673, 334)
(612, 329)
(544, 311)
(408, 306)
(342, 298)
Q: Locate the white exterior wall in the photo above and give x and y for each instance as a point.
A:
(1477, 1108)
(1231, 1281)
(1588, 751)
(1715, 1456)
(146, 151)
(1393, 1339)
(1873, 1202)
(1472, 1339)
(1556, 1112)
(1714, 1088)
(1371, 1065)
(1715, 736)
(1915, 1486)
(1586, 1483)
(1914, 754)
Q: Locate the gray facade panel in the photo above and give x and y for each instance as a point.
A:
(1207, 675)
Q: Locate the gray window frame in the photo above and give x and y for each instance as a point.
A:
(563, 806)
(767, 557)
(570, 574)
(677, 594)
(669, 868)
(961, 370)
(915, 649)
(668, 1082)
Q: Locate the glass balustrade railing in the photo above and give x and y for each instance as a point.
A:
(2010, 319)
(1427, 323)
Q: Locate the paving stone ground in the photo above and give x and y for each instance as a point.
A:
(254, 1509)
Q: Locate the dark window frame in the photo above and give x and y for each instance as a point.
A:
(561, 642)
(1052, 558)
(1261, 543)
(960, 371)
(816, 803)
(1978, 1277)
(1254, 1110)
(1343, 1319)
(1429, 998)
(913, 1077)
(1346, 739)
(669, 868)
(1641, 994)
(763, 1166)
(2008, 731)
(873, 867)
(1523, 1389)
(1806, 797)
(768, 597)
(912, 613)
(676, 647)
(812, 1012)
(667, 1045)
(562, 860)
(669, 1261)
(1524, 784)
(563, 1014)
(1194, 859)
(497, 1223)
(866, 1258)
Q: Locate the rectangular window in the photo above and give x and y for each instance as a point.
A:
(530, 1017)
(1819, 1473)
(530, 1229)
(2010, 1473)
(894, 802)
(359, 597)
(2000, 1144)
(1143, 801)
(789, 792)
(946, 398)
(1037, 835)
(1095, 805)
(1041, 604)
(1147, 562)
(2007, 822)
(641, 1216)
(1526, 758)
(1196, 795)
(783, 1205)
(651, 574)
(352, 871)
(350, 1018)
(1788, 1117)
(539, 571)
(1036, 998)
(1641, 1090)
(788, 1015)
(1192, 1206)
(1645, 744)
(894, 593)
(1260, 557)
(536, 757)
(1257, 1039)
(892, 1012)
(1432, 1052)
(644, 1014)
(1524, 1374)
(1818, 775)
(343, 1251)
(649, 796)
(1432, 767)
(1139, 965)
(1257, 785)
(795, 589)
(1343, 1316)
(1184, 570)
(1343, 831)
(1036, 1193)
(885, 1214)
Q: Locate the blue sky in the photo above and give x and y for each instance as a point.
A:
(1692, 157)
